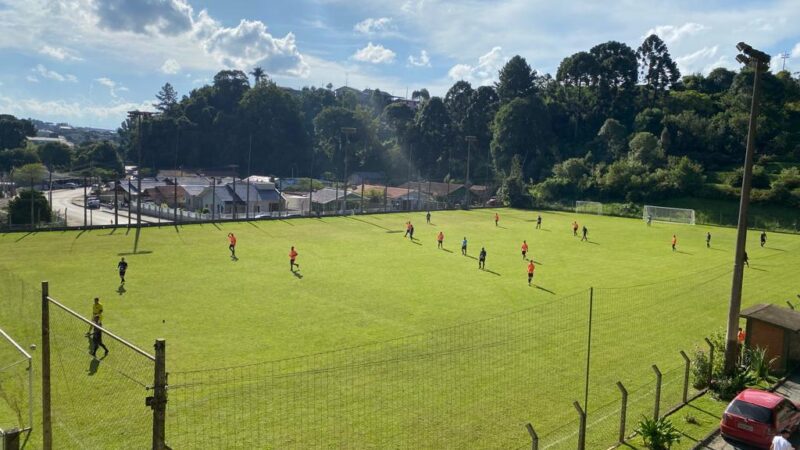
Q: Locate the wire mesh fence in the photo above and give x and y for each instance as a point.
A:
(97, 400)
(470, 386)
(16, 385)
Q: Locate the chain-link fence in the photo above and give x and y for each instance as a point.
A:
(16, 386)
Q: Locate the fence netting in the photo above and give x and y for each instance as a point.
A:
(470, 386)
(97, 401)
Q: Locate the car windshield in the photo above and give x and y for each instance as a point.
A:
(750, 411)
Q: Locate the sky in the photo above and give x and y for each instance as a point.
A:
(88, 62)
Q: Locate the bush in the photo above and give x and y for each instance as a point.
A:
(757, 362)
(760, 178)
(727, 387)
(19, 209)
(658, 434)
(700, 369)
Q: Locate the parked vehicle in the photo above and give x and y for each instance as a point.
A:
(93, 203)
(70, 185)
(754, 417)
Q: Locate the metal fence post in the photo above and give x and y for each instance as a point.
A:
(582, 426)
(534, 437)
(710, 360)
(623, 411)
(47, 424)
(158, 402)
(686, 377)
(10, 439)
(658, 392)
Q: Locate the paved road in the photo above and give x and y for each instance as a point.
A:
(791, 390)
(71, 200)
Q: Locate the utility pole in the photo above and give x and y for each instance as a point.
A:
(249, 174)
(175, 177)
(85, 205)
(759, 61)
(408, 193)
(347, 131)
(138, 115)
(470, 140)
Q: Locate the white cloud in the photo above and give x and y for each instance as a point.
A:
(484, 73)
(60, 110)
(32, 79)
(371, 26)
(113, 86)
(423, 61)
(375, 54)
(796, 51)
(166, 17)
(171, 67)
(53, 75)
(249, 44)
(59, 53)
(699, 61)
(671, 33)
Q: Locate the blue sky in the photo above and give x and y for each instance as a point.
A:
(87, 62)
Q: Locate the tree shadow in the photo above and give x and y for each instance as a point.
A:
(544, 289)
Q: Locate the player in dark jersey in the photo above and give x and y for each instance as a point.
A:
(482, 259)
(122, 266)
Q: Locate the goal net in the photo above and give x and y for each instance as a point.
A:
(664, 214)
(588, 207)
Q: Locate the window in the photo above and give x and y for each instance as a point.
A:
(750, 411)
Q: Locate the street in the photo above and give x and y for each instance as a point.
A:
(71, 201)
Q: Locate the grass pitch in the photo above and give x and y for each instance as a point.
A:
(361, 282)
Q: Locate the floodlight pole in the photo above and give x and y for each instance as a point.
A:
(347, 131)
(138, 116)
(760, 62)
(470, 140)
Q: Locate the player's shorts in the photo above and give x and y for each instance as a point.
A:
(524, 252)
(122, 273)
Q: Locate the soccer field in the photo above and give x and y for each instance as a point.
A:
(361, 283)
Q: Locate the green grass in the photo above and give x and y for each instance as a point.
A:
(363, 284)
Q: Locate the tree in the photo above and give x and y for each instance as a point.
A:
(579, 69)
(522, 127)
(645, 149)
(616, 64)
(650, 120)
(19, 209)
(17, 157)
(13, 131)
(28, 173)
(434, 138)
(167, 98)
(421, 95)
(514, 192)
(55, 155)
(229, 87)
(613, 134)
(99, 155)
(457, 101)
(258, 75)
(657, 69)
(515, 80)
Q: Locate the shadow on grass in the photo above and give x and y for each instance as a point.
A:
(758, 269)
(94, 365)
(414, 241)
(216, 226)
(370, 223)
(121, 289)
(703, 411)
(500, 226)
(591, 242)
(471, 257)
(683, 252)
(538, 262)
(80, 234)
(25, 235)
(491, 272)
(297, 275)
(140, 252)
(136, 239)
(177, 229)
(395, 231)
(288, 222)
(448, 251)
(541, 288)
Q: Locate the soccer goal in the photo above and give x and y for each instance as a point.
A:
(664, 214)
(588, 207)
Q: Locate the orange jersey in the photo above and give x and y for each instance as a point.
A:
(531, 267)
(524, 247)
(292, 254)
(575, 225)
(740, 337)
(232, 239)
(408, 226)
(496, 217)
(674, 241)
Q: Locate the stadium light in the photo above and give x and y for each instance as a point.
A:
(759, 61)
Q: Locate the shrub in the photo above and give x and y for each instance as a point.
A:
(658, 434)
(727, 387)
(757, 362)
(700, 369)
(19, 209)
(760, 178)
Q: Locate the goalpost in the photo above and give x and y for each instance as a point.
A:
(664, 214)
(588, 207)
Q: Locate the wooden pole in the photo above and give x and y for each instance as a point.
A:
(158, 402)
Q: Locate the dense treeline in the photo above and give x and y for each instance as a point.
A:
(614, 123)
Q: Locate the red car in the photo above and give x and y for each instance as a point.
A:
(754, 417)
